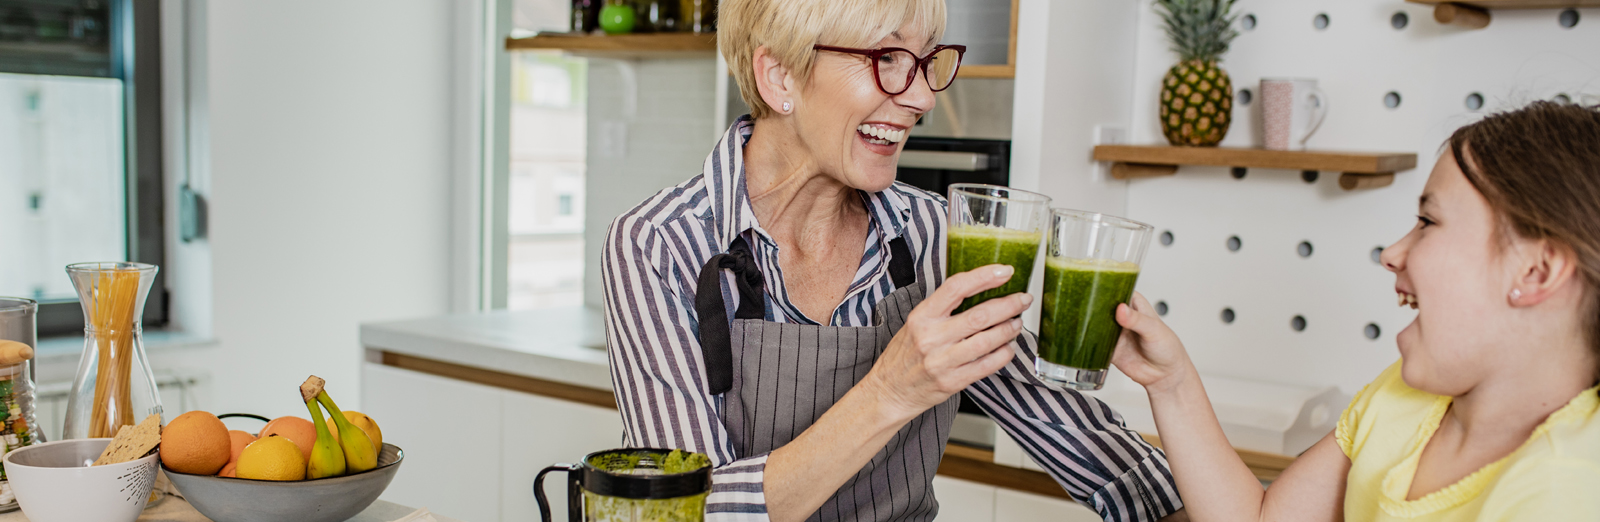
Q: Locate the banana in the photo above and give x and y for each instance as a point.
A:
(327, 459)
(359, 453)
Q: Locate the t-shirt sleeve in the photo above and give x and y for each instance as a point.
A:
(1349, 433)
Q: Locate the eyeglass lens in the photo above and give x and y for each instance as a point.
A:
(895, 68)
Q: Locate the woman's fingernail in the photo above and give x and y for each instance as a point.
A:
(1026, 298)
(1004, 271)
(1016, 324)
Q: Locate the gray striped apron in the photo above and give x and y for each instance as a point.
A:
(777, 379)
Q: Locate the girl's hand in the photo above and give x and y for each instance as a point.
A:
(1148, 352)
(936, 355)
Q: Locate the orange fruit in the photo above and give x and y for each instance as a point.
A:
(196, 443)
(272, 458)
(361, 420)
(239, 439)
(230, 470)
(301, 431)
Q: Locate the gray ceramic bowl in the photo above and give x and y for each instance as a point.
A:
(226, 499)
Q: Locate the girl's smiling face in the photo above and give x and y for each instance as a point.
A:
(1456, 271)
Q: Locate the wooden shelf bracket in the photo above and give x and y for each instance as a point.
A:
(1462, 15)
(1351, 181)
(1125, 170)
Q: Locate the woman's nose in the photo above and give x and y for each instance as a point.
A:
(1394, 257)
(918, 96)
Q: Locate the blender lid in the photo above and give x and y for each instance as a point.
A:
(634, 473)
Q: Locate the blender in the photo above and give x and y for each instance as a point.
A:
(632, 484)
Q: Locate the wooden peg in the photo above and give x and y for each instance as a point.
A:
(1350, 181)
(1461, 15)
(12, 352)
(1120, 170)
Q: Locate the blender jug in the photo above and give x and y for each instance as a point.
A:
(632, 484)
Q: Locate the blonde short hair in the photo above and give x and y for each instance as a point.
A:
(788, 29)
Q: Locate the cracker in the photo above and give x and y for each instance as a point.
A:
(132, 442)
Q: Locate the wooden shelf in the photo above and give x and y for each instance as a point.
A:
(1357, 169)
(1474, 14)
(622, 45)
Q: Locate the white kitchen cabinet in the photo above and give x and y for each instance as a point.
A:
(964, 501)
(540, 431)
(451, 432)
(1016, 506)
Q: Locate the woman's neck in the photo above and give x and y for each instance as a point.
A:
(791, 196)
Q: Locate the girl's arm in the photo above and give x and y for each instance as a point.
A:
(1213, 482)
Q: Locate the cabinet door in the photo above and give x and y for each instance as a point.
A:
(1016, 506)
(963, 501)
(540, 431)
(450, 432)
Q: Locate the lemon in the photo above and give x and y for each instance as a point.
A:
(272, 458)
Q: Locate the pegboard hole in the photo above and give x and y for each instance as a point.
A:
(1321, 21)
(1298, 323)
(1372, 331)
(1568, 18)
(1234, 243)
(1377, 255)
(1400, 20)
(1391, 100)
(1161, 308)
(1562, 99)
(1474, 101)
(1247, 22)
(1227, 316)
(1304, 249)
(1239, 172)
(1245, 96)
(1166, 238)
(1309, 176)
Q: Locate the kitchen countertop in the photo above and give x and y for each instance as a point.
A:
(178, 510)
(565, 345)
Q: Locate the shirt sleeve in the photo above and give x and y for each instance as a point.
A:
(1348, 433)
(657, 372)
(1080, 441)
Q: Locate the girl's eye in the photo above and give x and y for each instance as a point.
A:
(1425, 222)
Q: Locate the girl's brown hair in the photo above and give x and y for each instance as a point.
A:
(1539, 168)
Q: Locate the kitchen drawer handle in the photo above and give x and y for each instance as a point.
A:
(944, 160)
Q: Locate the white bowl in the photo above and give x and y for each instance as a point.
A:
(54, 482)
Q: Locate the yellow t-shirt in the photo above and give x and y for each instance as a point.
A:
(1555, 475)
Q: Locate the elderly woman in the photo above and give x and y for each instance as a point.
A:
(786, 312)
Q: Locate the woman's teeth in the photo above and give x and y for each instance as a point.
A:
(1407, 299)
(884, 136)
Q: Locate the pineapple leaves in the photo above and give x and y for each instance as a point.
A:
(1199, 29)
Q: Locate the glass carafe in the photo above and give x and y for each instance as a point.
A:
(114, 386)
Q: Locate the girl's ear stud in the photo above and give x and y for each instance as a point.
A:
(1516, 294)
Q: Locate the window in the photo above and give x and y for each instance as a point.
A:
(80, 151)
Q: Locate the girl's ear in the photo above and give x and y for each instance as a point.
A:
(773, 80)
(1550, 268)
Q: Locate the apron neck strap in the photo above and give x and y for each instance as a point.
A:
(709, 307)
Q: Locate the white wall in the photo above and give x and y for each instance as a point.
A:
(330, 131)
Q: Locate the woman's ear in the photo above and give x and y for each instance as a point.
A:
(773, 80)
(1548, 269)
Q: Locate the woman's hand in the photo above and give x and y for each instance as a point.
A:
(1148, 352)
(936, 355)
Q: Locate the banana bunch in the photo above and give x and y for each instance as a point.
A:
(352, 452)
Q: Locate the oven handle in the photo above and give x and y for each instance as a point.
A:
(944, 160)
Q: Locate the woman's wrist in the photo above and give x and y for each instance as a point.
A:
(879, 397)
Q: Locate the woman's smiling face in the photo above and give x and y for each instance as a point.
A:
(1453, 269)
(852, 129)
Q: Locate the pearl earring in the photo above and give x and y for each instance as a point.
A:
(1516, 294)
(787, 107)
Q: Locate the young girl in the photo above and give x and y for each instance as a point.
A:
(1490, 414)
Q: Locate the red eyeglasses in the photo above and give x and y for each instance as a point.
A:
(896, 68)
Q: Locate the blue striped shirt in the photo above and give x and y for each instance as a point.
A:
(652, 257)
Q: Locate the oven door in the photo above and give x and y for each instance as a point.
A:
(933, 164)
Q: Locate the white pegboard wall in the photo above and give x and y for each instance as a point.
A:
(1357, 59)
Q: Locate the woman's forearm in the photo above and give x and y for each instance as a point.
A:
(806, 472)
(1214, 482)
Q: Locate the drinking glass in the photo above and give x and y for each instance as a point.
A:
(989, 225)
(1090, 267)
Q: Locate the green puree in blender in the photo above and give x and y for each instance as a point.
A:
(1079, 325)
(972, 246)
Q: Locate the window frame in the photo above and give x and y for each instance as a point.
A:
(136, 60)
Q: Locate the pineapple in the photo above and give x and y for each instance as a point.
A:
(1197, 95)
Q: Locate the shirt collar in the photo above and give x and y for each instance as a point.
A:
(731, 211)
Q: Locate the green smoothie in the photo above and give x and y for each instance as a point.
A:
(1078, 327)
(972, 246)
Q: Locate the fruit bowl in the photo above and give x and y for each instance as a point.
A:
(334, 499)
